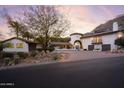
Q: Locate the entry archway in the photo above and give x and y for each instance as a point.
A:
(78, 42)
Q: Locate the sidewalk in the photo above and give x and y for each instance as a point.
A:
(27, 65)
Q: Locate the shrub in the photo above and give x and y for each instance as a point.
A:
(39, 50)
(55, 57)
(51, 48)
(97, 49)
(7, 54)
(119, 42)
(84, 49)
(22, 55)
(16, 59)
(33, 53)
(7, 60)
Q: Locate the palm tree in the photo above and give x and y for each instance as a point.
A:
(14, 25)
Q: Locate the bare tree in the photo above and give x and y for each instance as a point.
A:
(45, 22)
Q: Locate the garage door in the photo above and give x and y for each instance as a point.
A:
(90, 47)
(106, 47)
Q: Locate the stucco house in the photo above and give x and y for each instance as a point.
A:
(18, 45)
(103, 41)
(21, 45)
(61, 45)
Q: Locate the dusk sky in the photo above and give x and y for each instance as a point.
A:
(83, 18)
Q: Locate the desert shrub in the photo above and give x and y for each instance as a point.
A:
(51, 48)
(119, 42)
(7, 60)
(33, 53)
(7, 54)
(84, 49)
(16, 59)
(23, 55)
(97, 49)
(55, 57)
(40, 50)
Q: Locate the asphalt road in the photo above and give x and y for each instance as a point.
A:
(96, 73)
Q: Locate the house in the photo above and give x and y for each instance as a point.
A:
(102, 41)
(61, 45)
(18, 45)
(21, 45)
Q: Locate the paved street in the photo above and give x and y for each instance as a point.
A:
(106, 72)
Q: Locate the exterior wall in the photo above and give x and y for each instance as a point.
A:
(110, 39)
(74, 38)
(106, 39)
(15, 41)
(86, 42)
(98, 46)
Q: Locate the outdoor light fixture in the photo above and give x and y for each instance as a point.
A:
(120, 35)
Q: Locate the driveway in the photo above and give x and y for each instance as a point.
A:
(72, 55)
(95, 73)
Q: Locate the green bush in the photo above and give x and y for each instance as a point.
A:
(84, 49)
(51, 48)
(16, 59)
(7, 60)
(7, 54)
(33, 53)
(119, 42)
(11, 55)
(55, 58)
(23, 55)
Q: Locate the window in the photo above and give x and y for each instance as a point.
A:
(97, 40)
(9, 45)
(19, 45)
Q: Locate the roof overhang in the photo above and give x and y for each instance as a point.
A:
(100, 34)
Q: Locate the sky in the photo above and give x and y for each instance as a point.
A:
(83, 18)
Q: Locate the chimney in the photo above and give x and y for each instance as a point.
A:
(115, 26)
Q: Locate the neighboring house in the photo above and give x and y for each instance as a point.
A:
(103, 41)
(21, 45)
(61, 45)
(18, 45)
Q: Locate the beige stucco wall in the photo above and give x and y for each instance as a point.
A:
(15, 41)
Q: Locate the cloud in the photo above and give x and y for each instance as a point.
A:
(80, 17)
(5, 32)
(83, 18)
(107, 11)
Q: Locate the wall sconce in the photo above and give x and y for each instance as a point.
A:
(120, 35)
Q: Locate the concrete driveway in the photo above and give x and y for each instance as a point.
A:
(72, 55)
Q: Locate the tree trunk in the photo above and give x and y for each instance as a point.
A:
(46, 42)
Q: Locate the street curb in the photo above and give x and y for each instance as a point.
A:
(27, 65)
